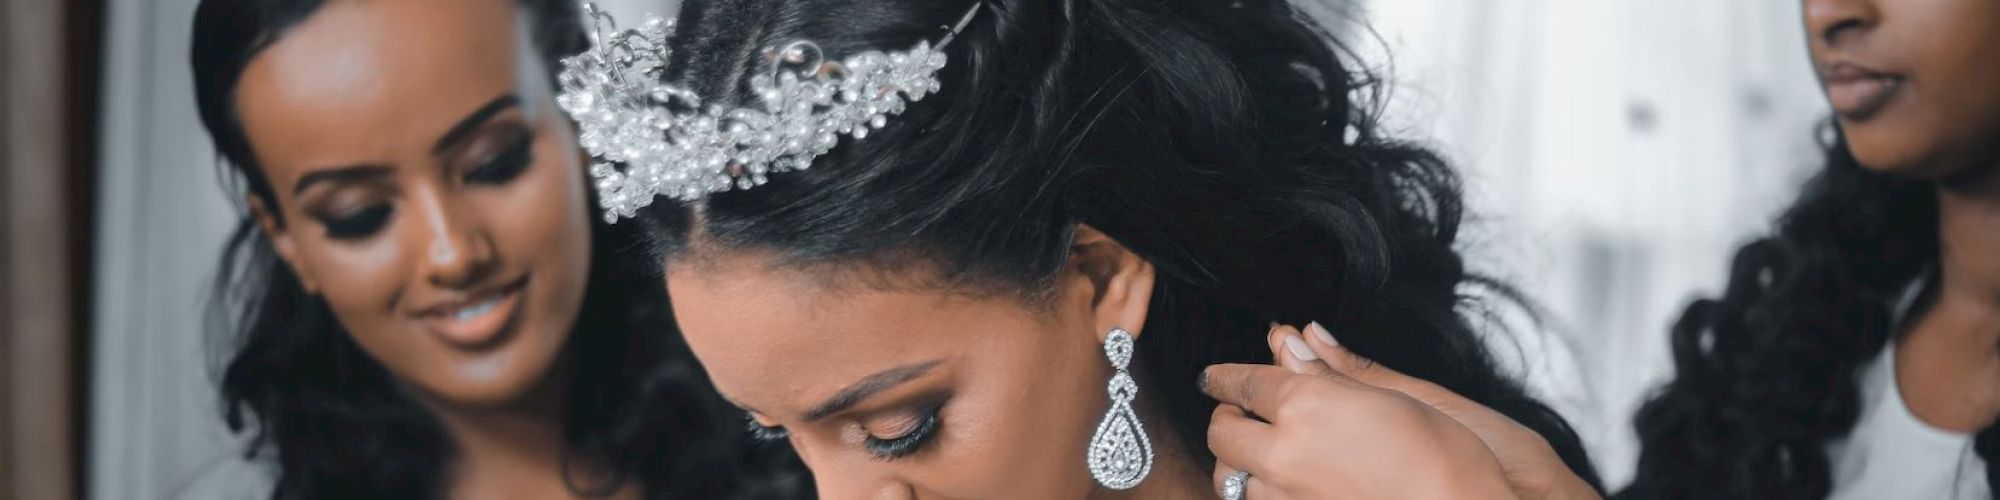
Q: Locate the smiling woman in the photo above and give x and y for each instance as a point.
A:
(424, 306)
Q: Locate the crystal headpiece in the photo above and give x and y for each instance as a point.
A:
(670, 143)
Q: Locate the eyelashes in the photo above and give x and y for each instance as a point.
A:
(505, 165)
(500, 168)
(762, 434)
(357, 224)
(911, 441)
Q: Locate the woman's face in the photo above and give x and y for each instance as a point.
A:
(908, 392)
(1916, 83)
(426, 188)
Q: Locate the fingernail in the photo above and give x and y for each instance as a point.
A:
(1299, 348)
(1320, 334)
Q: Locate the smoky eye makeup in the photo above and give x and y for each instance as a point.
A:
(891, 435)
(900, 435)
(502, 162)
(355, 224)
(763, 433)
(351, 212)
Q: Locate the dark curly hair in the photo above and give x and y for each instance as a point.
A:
(1223, 140)
(300, 385)
(1766, 374)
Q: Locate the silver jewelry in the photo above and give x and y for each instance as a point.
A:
(1120, 454)
(1234, 486)
(650, 138)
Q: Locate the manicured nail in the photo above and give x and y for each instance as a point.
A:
(1299, 348)
(1320, 334)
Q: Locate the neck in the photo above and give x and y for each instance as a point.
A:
(1969, 237)
(1948, 364)
(515, 434)
(509, 449)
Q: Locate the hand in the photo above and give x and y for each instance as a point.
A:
(1328, 436)
(1531, 467)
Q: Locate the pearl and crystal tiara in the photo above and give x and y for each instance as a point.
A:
(649, 138)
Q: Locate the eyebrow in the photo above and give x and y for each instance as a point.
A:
(340, 175)
(472, 121)
(868, 386)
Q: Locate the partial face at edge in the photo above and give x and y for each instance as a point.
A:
(1916, 83)
(979, 397)
(429, 190)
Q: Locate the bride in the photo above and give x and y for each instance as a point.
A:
(1026, 230)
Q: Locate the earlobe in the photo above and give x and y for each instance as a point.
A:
(1123, 281)
(281, 240)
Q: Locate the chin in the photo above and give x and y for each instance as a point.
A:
(1897, 150)
(498, 379)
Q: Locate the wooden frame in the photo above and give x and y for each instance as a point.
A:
(49, 62)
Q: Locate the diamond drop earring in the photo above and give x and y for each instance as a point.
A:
(1120, 454)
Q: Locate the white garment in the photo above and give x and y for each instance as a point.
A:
(230, 476)
(1891, 455)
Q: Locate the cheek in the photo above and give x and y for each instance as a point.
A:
(1953, 46)
(540, 221)
(1970, 64)
(1040, 395)
(358, 281)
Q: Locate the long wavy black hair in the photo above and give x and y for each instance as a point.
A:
(1766, 375)
(334, 416)
(1223, 140)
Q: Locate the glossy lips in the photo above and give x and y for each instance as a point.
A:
(1858, 93)
(477, 320)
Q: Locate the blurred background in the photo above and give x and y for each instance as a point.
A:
(1616, 151)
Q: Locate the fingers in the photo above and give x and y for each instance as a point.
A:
(1258, 388)
(1290, 349)
(1222, 472)
(1504, 436)
(1257, 487)
(1337, 358)
(1236, 438)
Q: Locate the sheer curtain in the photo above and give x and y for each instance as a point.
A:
(1616, 152)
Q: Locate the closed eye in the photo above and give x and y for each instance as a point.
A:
(506, 164)
(919, 433)
(764, 433)
(356, 224)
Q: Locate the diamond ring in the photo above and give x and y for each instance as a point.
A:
(1233, 486)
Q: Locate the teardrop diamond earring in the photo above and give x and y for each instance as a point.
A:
(1120, 454)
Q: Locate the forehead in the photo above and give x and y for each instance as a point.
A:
(369, 75)
(780, 339)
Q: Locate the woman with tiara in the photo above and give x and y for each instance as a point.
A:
(989, 248)
(421, 302)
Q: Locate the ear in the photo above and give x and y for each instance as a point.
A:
(281, 240)
(1121, 281)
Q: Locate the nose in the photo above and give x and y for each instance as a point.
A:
(832, 487)
(456, 252)
(1830, 22)
(847, 478)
